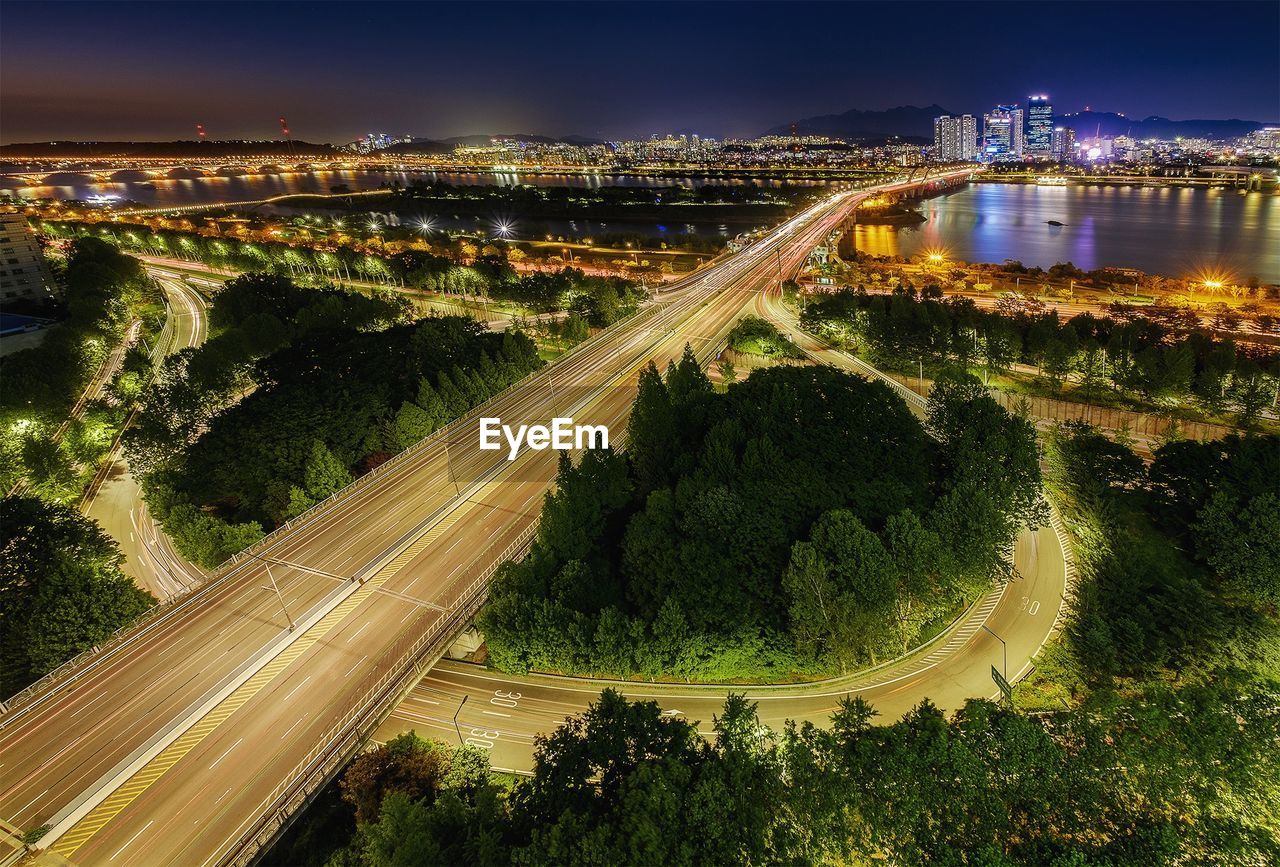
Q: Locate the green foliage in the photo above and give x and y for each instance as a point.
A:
(1145, 361)
(1222, 500)
(300, 390)
(1166, 776)
(61, 588)
(104, 291)
(1143, 607)
(423, 803)
(736, 540)
(598, 301)
(760, 337)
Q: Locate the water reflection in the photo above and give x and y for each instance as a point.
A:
(1164, 230)
(201, 190)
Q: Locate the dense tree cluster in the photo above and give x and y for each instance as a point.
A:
(624, 784)
(1142, 360)
(104, 291)
(1143, 605)
(61, 588)
(802, 522)
(761, 337)
(299, 391)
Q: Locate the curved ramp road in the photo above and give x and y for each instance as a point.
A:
(502, 713)
(170, 744)
(150, 558)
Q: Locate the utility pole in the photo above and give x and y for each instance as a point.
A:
(285, 608)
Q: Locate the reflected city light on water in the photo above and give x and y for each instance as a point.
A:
(1180, 231)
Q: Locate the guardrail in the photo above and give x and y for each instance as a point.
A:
(67, 672)
(345, 737)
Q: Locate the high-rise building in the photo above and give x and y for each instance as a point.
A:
(1039, 126)
(1064, 143)
(23, 270)
(955, 139)
(1002, 136)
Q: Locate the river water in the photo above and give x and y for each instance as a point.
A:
(1175, 231)
(156, 192)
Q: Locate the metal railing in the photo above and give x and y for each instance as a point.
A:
(66, 672)
(344, 738)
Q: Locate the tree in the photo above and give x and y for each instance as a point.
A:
(324, 473)
(412, 424)
(61, 588)
(406, 764)
(1241, 541)
(841, 589)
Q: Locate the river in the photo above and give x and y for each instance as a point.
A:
(1175, 231)
(157, 192)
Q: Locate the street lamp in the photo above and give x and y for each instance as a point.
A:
(457, 730)
(276, 588)
(1004, 666)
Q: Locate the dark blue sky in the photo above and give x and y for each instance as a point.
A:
(153, 70)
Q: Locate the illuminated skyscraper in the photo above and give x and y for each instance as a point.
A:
(1064, 143)
(1002, 133)
(1039, 126)
(955, 139)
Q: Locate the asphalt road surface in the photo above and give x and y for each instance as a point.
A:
(150, 558)
(503, 713)
(170, 743)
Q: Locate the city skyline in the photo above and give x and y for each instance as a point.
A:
(732, 78)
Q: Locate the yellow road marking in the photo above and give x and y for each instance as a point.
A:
(122, 797)
(127, 793)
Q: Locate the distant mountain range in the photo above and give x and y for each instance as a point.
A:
(915, 122)
(904, 120)
(1087, 123)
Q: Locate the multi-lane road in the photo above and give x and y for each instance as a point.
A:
(168, 745)
(503, 713)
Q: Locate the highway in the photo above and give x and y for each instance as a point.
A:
(503, 713)
(116, 501)
(167, 746)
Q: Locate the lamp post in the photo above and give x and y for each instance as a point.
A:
(1004, 667)
(457, 730)
(275, 588)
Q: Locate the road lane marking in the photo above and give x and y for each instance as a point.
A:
(224, 755)
(296, 688)
(86, 706)
(131, 839)
(292, 727)
(495, 713)
(357, 665)
(29, 803)
(356, 634)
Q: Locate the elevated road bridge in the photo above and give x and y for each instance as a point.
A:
(192, 736)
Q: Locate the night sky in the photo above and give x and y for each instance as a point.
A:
(337, 70)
